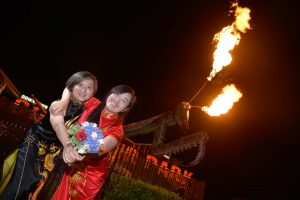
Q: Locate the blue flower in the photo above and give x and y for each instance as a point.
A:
(89, 144)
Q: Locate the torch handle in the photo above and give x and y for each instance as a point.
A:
(202, 87)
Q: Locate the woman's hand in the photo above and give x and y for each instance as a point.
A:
(70, 154)
(58, 108)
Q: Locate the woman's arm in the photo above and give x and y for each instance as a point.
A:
(60, 107)
(70, 154)
(57, 111)
(109, 143)
(111, 140)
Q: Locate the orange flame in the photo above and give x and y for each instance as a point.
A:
(224, 101)
(228, 38)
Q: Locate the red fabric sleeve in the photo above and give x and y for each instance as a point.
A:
(89, 106)
(115, 131)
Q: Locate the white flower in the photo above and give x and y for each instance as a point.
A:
(81, 151)
(85, 123)
(94, 135)
(101, 141)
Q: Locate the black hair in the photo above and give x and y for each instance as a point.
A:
(80, 76)
(119, 89)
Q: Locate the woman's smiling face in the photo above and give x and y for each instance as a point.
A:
(117, 103)
(84, 90)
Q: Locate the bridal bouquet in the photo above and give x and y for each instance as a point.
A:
(86, 138)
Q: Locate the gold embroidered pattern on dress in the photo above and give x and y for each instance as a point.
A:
(77, 178)
(73, 192)
(47, 156)
(53, 148)
(71, 121)
(48, 166)
(42, 147)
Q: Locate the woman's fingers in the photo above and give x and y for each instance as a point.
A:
(68, 158)
(70, 155)
(75, 155)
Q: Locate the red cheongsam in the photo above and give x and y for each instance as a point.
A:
(83, 180)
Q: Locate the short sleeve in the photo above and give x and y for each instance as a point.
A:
(115, 131)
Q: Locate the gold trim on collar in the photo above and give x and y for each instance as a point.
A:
(71, 121)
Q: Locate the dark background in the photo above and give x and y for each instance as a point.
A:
(164, 50)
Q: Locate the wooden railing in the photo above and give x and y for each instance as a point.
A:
(134, 160)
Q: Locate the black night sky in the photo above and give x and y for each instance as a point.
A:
(164, 50)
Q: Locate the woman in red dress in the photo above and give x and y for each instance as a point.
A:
(85, 176)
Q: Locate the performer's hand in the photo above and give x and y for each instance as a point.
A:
(70, 154)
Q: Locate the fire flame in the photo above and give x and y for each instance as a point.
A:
(224, 101)
(228, 38)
